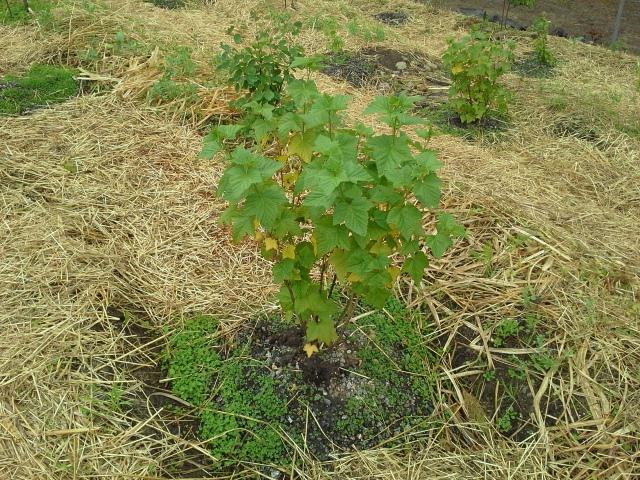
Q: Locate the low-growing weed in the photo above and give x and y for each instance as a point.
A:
(509, 327)
(505, 422)
(41, 86)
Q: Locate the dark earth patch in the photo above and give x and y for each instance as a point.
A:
(592, 22)
(393, 19)
(167, 4)
(391, 71)
(506, 388)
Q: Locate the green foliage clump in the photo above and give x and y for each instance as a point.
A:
(476, 63)
(507, 328)
(505, 422)
(342, 200)
(541, 43)
(15, 11)
(42, 85)
(243, 422)
(192, 360)
(239, 418)
(175, 83)
(264, 67)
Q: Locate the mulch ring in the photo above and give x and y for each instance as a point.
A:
(390, 71)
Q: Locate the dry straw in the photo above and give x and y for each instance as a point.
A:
(104, 202)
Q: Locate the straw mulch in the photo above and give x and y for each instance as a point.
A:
(104, 203)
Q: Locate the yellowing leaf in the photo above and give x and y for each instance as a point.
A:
(354, 278)
(259, 235)
(310, 349)
(289, 179)
(394, 272)
(256, 223)
(456, 69)
(301, 146)
(270, 244)
(282, 158)
(289, 251)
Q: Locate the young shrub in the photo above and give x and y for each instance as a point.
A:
(263, 68)
(336, 201)
(476, 63)
(541, 43)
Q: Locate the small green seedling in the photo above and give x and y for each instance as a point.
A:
(504, 422)
(507, 328)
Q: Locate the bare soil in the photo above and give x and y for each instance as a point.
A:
(590, 19)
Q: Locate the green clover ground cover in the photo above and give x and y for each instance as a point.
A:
(363, 391)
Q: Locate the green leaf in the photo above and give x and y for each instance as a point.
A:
(211, 146)
(389, 153)
(415, 266)
(407, 219)
(301, 144)
(323, 331)
(241, 224)
(285, 270)
(427, 191)
(329, 236)
(354, 213)
(302, 91)
(228, 132)
(438, 244)
(247, 170)
(313, 62)
(265, 203)
(428, 161)
(287, 224)
(305, 255)
(448, 225)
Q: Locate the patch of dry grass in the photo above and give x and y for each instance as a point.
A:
(105, 203)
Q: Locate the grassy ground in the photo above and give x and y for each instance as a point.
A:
(105, 203)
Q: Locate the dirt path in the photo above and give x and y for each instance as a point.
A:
(592, 19)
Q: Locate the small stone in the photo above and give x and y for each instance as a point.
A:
(349, 352)
(401, 66)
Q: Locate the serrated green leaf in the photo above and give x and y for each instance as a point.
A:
(428, 162)
(415, 266)
(211, 146)
(305, 255)
(241, 224)
(302, 91)
(389, 153)
(438, 244)
(301, 144)
(287, 224)
(427, 191)
(285, 270)
(329, 236)
(354, 213)
(407, 219)
(448, 225)
(265, 203)
(323, 331)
